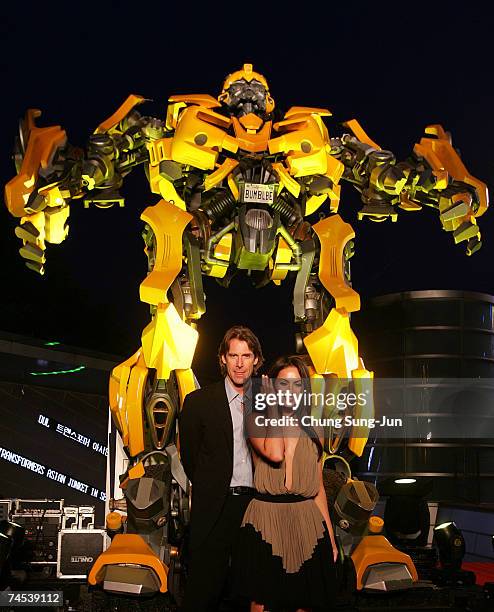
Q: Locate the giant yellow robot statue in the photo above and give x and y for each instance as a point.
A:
(236, 181)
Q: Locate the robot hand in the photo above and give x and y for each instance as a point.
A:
(457, 215)
(46, 225)
(48, 176)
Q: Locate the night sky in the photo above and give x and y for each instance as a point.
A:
(395, 69)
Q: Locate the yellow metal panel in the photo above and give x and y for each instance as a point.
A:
(283, 255)
(247, 73)
(307, 110)
(360, 133)
(376, 549)
(162, 186)
(172, 112)
(120, 113)
(118, 382)
(441, 149)
(128, 548)
(333, 347)
(201, 99)
(55, 219)
(251, 121)
(198, 138)
(221, 173)
(169, 193)
(168, 343)
(222, 251)
(437, 166)
(363, 383)
(335, 169)
(168, 223)
(233, 187)
(334, 197)
(186, 383)
(286, 180)
(333, 235)
(38, 220)
(159, 150)
(41, 146)
(135, 406)
(254, 142)
(301, 164)
(314, 202)
(137, 471)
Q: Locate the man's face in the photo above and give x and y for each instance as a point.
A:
(239, 361)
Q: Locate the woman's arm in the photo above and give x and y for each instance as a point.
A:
(266, 438)
(271, 445)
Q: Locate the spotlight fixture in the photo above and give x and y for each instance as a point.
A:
(11, 538)
(5, 548)
(451, 545)
(406, 514)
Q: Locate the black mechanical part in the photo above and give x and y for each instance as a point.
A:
(258, 228)
(97, 168)
(219, 205)
(308, 249)
(288, 209)
(148, 502)
(194, 307)
(161, 405)
(246, 97)
(255, 169)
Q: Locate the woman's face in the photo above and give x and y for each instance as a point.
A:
(291, 385)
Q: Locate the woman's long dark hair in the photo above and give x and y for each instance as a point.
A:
(296, 361)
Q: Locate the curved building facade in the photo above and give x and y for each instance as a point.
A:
(426, 335)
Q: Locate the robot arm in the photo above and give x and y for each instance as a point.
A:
(51, 172)
(433, 175)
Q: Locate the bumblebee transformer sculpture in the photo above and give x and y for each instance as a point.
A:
(237, 182)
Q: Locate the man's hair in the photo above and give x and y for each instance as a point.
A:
(240, 332)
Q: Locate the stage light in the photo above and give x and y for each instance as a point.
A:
(5, 548)
(451, 545)
(11, 538)
(406, 514)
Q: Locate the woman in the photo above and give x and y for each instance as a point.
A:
(286, 549)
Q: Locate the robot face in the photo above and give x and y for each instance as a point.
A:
(246, 97)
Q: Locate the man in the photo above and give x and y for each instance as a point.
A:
(217, 461)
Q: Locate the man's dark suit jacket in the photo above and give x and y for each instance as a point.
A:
(206, 450)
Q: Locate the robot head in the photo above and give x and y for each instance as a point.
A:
(246, 91)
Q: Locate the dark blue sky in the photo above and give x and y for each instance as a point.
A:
(395, 69)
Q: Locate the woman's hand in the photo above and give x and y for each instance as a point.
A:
(267, 388)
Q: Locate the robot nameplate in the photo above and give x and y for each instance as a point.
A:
(256, 193)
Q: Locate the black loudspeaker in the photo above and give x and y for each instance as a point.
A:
(78, 549)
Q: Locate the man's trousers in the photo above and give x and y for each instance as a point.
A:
(209, 562)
